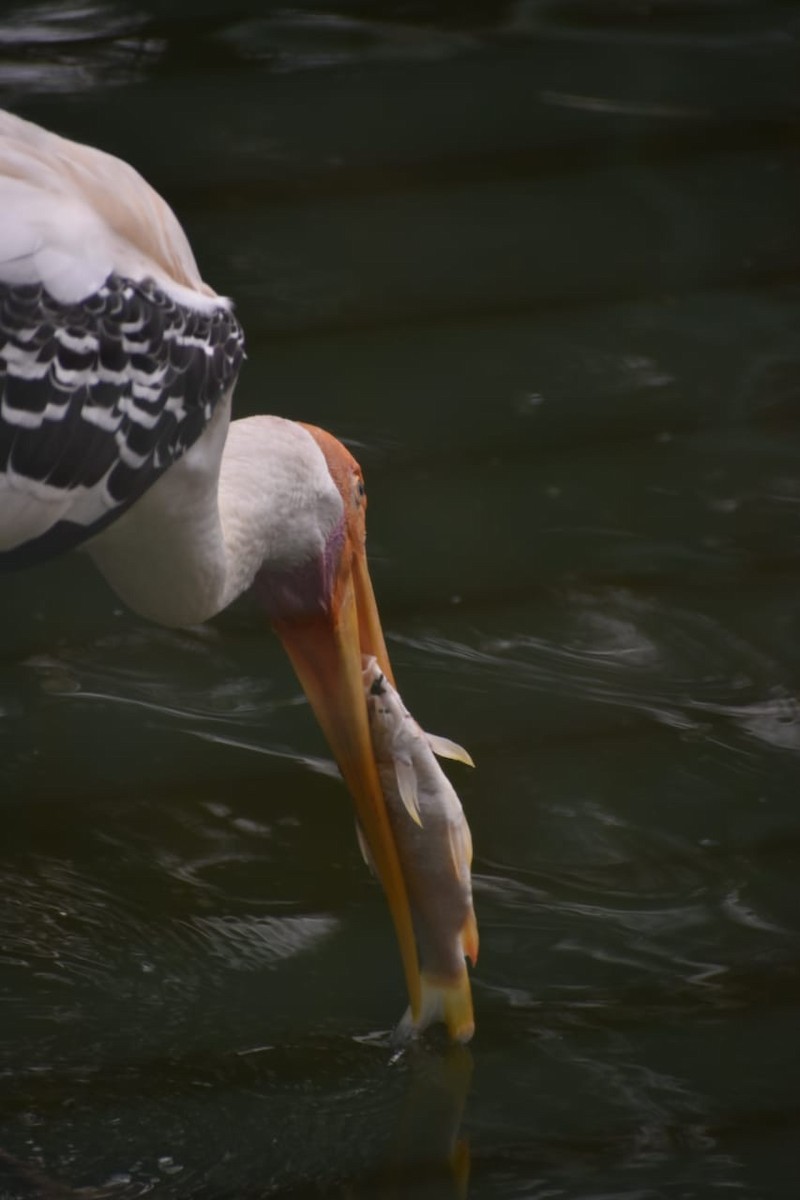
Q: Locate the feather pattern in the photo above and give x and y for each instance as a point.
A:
(98, 399)
(113, 352)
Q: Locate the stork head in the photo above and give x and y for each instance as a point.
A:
(322, 606)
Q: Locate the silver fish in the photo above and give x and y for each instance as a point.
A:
(435, 848)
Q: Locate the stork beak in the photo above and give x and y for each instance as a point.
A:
(326, 651)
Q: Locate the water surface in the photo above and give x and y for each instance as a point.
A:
(538, 263)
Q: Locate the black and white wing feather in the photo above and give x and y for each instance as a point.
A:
(97, 400)
(113, 354)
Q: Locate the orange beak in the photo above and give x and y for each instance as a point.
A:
(326, 651)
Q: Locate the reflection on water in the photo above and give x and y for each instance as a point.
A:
(293, 40)
(626, 651)
(403, 1125)
(65, 48)
(537, 261)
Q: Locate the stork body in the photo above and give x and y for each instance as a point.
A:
(117, 368)
(118, 364)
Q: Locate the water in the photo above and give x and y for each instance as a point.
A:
(538, 263)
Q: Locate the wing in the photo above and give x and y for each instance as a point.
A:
(113, 353)
(97, 400)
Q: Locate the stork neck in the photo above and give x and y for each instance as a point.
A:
(199, 536)
(165, 557)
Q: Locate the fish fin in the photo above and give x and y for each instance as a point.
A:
(444, 748)
(460, 840)
(449, 1001)
(407, 785)
(469, 938)
(365, 851)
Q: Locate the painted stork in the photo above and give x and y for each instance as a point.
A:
(117, 367)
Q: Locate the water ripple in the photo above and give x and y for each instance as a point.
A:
(249, 944)
(618, 649)
(169, 672)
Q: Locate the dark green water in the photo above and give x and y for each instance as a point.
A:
(540, 264)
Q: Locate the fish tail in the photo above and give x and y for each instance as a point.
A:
(447, 1000)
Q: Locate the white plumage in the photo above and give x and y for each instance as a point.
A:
(74, 218)
(72, 214)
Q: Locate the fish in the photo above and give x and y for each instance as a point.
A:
(434, 845)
